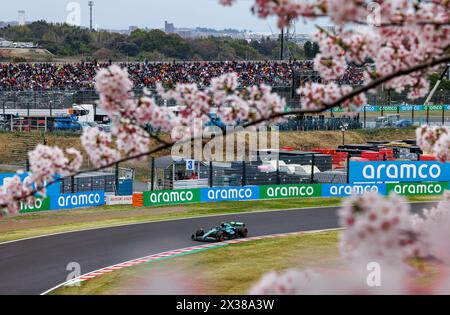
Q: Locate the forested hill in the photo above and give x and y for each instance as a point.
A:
(68, 41)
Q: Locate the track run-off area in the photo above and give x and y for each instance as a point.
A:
(34, 266)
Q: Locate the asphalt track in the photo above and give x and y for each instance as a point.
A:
(36, 265)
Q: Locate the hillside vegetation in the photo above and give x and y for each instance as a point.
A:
(20, 143)
(64, 40)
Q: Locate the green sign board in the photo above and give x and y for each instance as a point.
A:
(171, 197)
(290, 191)
(39, 204)
(417, 189)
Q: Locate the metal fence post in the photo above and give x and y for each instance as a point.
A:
(244, 175)
(313, 163)
(365, 116)
(210, 174)
(116, 178)
(72, 184)
(278, 171)
(152, 174)
(443, 114)
(348, 168)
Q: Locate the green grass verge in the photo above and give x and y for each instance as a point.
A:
(42, 223)
(231, 269)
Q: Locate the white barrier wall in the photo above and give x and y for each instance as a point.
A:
(118, 200)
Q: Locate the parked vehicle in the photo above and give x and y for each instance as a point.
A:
(404, 123)
(66, 124)
(387, 121)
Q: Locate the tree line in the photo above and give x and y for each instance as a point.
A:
(64, 40)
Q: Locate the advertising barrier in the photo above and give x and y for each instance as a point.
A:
(343, 190)
(394, 108)
(229, 194)
(398, 177)
(54, 200)
(170, 197)
(417, 189)
(246, 193)
(52, 190)
(290, 191)
(40, 204)
(79, 200)
(399, 171)
(112, 200)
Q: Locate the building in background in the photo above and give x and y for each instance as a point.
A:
(169, 27)
(132, 28)
(184, 32)
(22, 21)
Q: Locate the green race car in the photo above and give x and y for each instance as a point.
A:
(223, 232)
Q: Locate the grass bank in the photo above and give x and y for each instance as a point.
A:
(15, 145)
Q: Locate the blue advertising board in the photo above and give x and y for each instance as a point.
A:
(229, 194)
(79, 200)
(344, 190)
(52, 190)
(399, 171)
(56, 201)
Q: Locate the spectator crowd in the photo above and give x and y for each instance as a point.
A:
(80, 76)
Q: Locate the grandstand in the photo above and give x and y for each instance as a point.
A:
(80, 76)
(41, 91)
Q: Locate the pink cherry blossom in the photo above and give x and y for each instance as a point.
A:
(376, 228)
(342, 280)
(316, 96)
(433, 226)
(435, 140)
(99, 147)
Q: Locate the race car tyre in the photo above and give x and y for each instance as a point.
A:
(242, 232)
(199, 233)
(220, 237)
